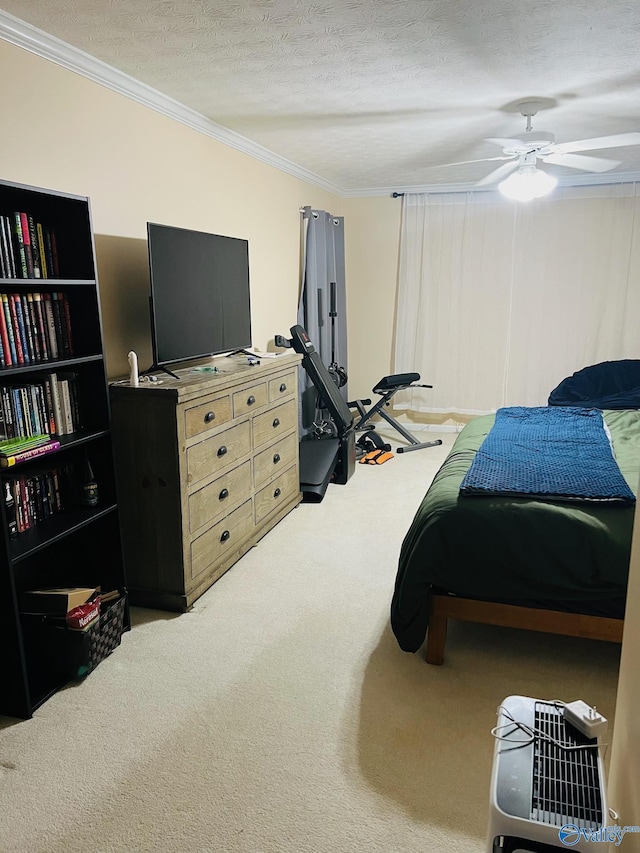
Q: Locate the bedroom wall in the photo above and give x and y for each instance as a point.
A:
(64, 132)
(372, 232)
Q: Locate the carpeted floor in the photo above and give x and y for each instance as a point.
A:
(279, 715)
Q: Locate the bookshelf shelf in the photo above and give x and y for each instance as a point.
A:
(54, 529)
(52, 380)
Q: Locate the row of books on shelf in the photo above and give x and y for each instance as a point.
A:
(31, 500)
(28, 249)
(49, 405)
(34, 327)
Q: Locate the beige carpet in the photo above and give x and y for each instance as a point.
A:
(279, 715)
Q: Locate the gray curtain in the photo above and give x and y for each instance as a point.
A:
(323, 241)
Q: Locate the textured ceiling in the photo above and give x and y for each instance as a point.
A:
(375, 94)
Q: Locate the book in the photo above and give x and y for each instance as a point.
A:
(22, 327)
(13, 445)
(59, 421)
(52, 340)
(5, 250)
(7, 414)
(26, 240)
(21, 267)
(9, 326)
(35, 251)
(24, 455)
(58, 319)
(33, 326)
(66, 405)
(16, 329)
(41, 252)
(74, 397)
(10, 246)
(67, 320)
(41, 325)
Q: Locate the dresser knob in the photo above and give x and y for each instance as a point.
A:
(283, 388)
(276, 423)
(222, 450)
(223, 494)
(210, 416)
(277, 493)
(225, 536)
(276, 458)
(251, 400)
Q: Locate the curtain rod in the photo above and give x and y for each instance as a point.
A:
(397, 195)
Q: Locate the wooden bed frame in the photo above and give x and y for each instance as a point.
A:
(444, 607)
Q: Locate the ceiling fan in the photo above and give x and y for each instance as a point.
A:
(522, 153)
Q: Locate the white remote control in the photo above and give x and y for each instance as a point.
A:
(133, 368)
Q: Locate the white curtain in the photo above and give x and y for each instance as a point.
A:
(499, 301)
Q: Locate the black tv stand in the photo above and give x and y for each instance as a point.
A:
(155, 367)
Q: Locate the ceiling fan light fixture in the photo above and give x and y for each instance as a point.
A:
(527, 183)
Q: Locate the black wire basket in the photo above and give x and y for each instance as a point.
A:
(104, 635)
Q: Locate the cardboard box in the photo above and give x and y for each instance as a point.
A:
(55, 602)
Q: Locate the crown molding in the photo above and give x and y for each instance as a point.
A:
(42, 44)
(30, 38)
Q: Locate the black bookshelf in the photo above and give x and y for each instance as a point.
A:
(64, 544)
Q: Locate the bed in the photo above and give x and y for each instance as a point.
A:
(516, 561)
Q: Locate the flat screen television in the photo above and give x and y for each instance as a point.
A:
(200, 303)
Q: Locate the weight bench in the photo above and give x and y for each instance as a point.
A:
(387, 387)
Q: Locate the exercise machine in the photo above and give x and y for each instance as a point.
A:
(387, 387)
(331, 456)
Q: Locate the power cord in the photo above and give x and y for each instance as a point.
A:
(532, 733)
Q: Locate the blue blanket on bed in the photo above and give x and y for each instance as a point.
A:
(548, 453)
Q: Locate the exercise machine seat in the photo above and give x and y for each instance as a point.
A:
(387, 387)
(395, 382)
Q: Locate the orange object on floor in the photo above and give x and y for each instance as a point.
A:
(376, 457)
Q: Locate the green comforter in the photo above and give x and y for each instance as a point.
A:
(513, 549)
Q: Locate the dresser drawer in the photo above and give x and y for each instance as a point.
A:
(205, 416)
(219, 497)
(275, 459)
(252, 398)
(226, 535)
(213, 454)
(277, 493)
(281, 387)
(274, 423)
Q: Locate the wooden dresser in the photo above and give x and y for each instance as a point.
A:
(206, 464)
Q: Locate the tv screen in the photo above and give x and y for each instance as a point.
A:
(200, 302)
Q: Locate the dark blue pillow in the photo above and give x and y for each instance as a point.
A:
(608, 385)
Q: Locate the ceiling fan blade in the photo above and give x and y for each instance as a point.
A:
(619, 140)
(499, 173)
(481, 160)
(579, 161)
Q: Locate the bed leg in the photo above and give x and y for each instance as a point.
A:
(436, 638)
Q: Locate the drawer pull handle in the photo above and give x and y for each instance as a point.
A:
(276, 423)
(283, 388)
(277, 493)
(251, 400)
(225, 536)
(223, 494)
(222, 450)
(210, 416)
(276, 458)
